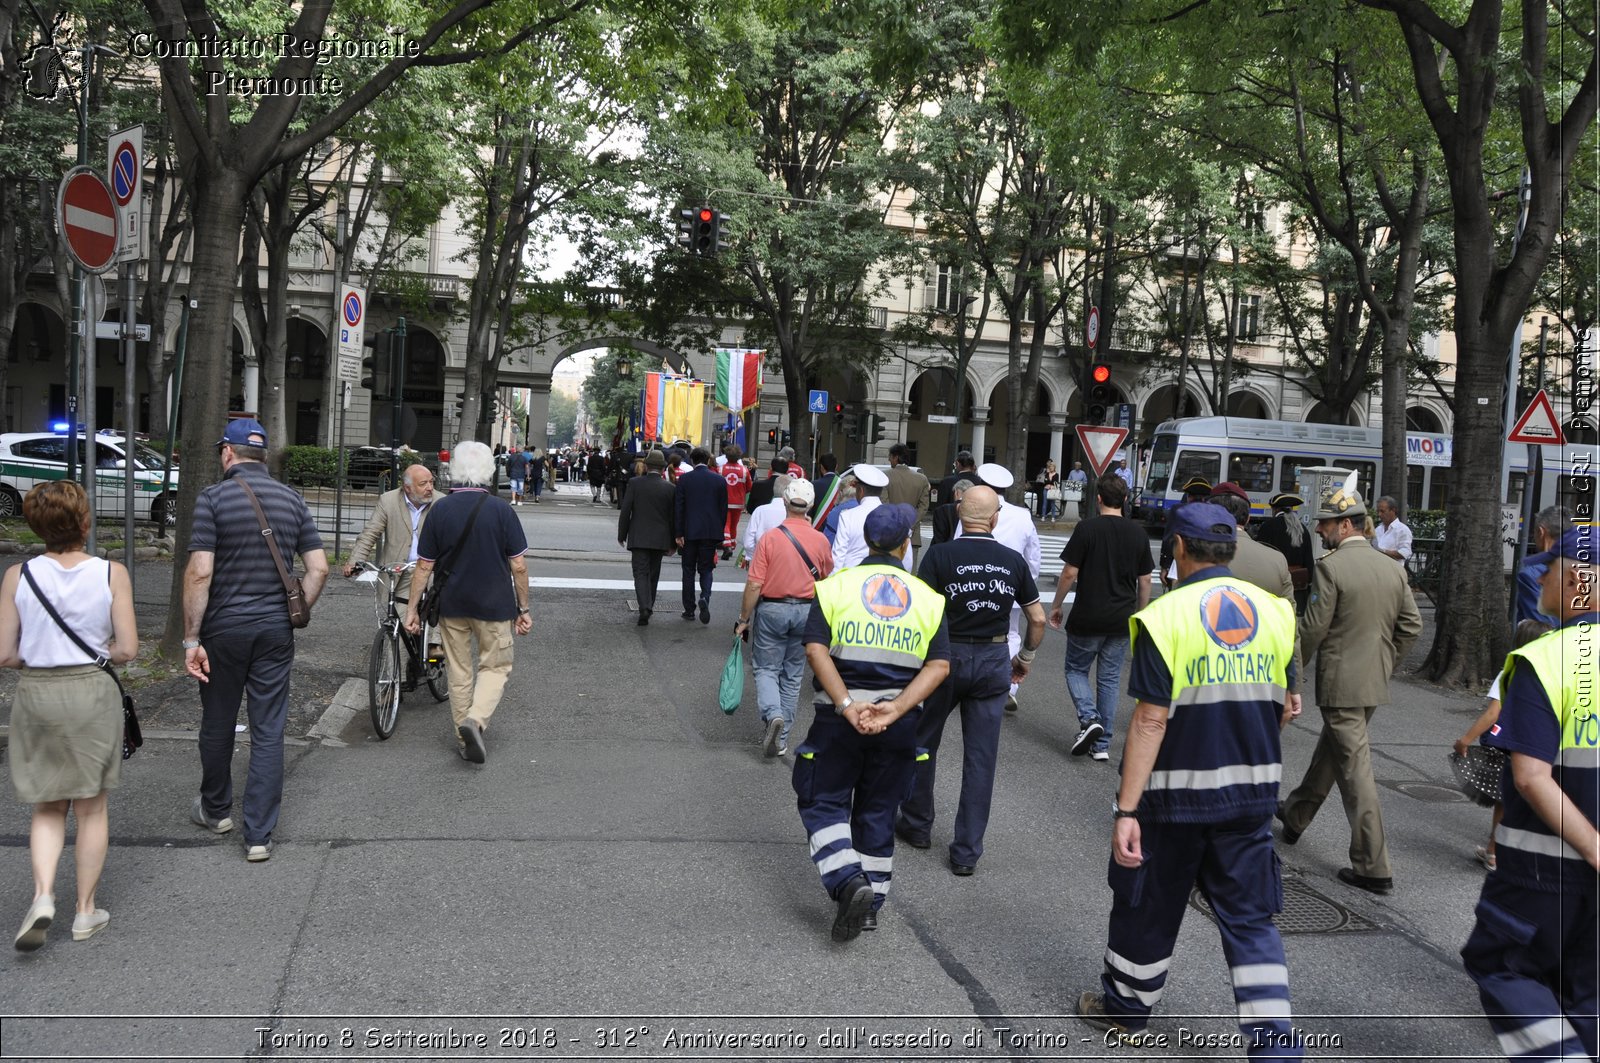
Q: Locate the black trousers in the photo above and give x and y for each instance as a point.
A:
(646, 574)
(699, 557)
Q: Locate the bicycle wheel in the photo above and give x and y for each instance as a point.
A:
(383, 682)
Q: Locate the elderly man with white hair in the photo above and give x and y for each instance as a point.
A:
(472, 547)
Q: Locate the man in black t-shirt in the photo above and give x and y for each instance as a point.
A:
(1109, 559)
(980, 580)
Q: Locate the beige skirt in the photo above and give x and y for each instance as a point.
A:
(66, 734)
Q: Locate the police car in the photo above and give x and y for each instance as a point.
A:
(28, 458)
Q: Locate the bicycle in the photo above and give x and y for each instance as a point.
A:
(385, 680)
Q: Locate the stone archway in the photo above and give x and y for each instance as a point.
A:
(1322, 413)
(930, 399)
(1422, 419)
(1162, 405)
(304, 380)
(1247, 404)
(527, 369)
(36, 394)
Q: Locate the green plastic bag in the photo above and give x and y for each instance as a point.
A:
(732, 690)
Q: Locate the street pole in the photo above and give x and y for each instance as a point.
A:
(75, 340)
(338, 489)
(397, 376)
(1534, 481)
(341, 386)
(129, 407)
(175, 392)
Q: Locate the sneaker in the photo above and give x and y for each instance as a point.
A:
(197, 815)
(472, 742)
(769, 744)
(41, 913)
(1100, 754)
(783, 750)
(1092, 1010)
(258, 854)
(85, 927)
(855, 901)
(1086, 738)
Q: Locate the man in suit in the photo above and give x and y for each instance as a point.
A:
(700, 508)
(762, 492)
(966, 469)
(1360, 621)
(909, 487)
(645, 527)
(1261, 565)
(396, 520)
(945, 515)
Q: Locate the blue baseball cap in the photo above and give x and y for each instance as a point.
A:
(888, 525)
(1577, 542)
(1205, 521)
(244, 432)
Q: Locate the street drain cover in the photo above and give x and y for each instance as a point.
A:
(1431, 792)
(1305, 911)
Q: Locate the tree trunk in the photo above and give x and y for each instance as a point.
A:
(1396, 340)
(219, 197)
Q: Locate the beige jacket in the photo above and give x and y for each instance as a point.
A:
(391, 522)
(910, 487)
(1267, 569)
(1360, 621)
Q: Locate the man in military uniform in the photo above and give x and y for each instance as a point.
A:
(1200, 771)
(981, 580)
(1255, 563)
(878, 645)
(1532, 951)
(1198, 489)
(1286, 533)
(1360, 621)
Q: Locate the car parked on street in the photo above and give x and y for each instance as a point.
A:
(29, 458)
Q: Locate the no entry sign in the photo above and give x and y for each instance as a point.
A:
(87, 216)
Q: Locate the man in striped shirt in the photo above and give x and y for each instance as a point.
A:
(1532, 951)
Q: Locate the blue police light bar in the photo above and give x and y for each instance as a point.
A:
(60, 428)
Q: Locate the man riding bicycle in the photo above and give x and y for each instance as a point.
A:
(397, 521)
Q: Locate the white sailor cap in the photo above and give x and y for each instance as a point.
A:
(870, 475)
(995, 475)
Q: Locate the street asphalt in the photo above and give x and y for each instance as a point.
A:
(627, 877)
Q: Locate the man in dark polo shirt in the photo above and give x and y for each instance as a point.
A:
(484, 595)
(236, 633)
(980, 580)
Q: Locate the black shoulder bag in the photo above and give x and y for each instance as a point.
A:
(428, 607)
(132, 737)
(815, 574)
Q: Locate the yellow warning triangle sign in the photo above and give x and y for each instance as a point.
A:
(1538, 424)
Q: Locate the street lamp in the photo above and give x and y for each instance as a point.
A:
(624, 369)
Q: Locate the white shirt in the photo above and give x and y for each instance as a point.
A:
(1396, 537)
(850, 545)
(762, 520)
(81, 594)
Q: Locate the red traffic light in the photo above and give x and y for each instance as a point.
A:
(1100, 374)
(838, 407)
(705, 213)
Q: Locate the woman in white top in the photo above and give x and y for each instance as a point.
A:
(66, 716)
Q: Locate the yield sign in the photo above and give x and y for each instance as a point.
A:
(1099, 444)
(1537, 425)
(88, 219)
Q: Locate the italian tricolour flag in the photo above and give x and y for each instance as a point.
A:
(738, 379)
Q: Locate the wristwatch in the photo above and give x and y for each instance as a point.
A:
(191, 644)
(522, 611)
(1118, 813)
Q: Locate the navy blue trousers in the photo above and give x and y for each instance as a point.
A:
(699, 558)
(980, 678)
(1238, 873)
(254, 662)
(850, 786)
(1533, 956)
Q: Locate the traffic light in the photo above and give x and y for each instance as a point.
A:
(1101, 393)
(375, 364)
(685, 237)
(875, 427)
(772, 436)
(838, 414)
(707, 232)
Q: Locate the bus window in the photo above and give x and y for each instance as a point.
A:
(1206, 464)
(1253, 472)
(1577, 494)
(1366, 473)
(1289, 479)
(1161, 455)
(1516, 483)
(1438, 484)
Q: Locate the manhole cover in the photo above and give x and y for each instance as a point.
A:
(1305, 911)
(1431, 792)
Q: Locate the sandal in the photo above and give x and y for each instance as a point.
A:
(1484, 855)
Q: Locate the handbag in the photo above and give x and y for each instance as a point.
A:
(132, 737)
(1300, 577)
(294, 592)
(432, 595)
(1053, 493)
(1479, 773)
(731, 692)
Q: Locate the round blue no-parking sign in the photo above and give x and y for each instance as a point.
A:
(124, 174)
(352, 309)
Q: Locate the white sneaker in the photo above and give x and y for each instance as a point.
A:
(1100, 754)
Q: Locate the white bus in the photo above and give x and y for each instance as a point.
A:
(1265, 458)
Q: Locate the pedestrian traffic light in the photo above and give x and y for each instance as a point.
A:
(876, 428)
(838, 413)
(707, 231)
(685, 238)
(375, 364)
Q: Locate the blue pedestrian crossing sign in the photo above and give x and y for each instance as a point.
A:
(818, 403)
